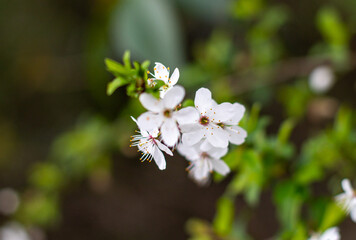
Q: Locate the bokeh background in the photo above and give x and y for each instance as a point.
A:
(66, 169)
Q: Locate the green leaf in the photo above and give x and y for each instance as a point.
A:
(115, 84)
(285, 131)
(115, 67)
(188, 103)
(289, 198)
(47, 177)
(224, 216)
(333, 216)
(126, 59)
(331, 27)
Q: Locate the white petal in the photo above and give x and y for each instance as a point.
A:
(161, 72)
(203, 99)
(151, 103)
(331, 234)
(220, 166)
(149, 121)
(346, 185)
(163, 148)
(191, 138)
(223, 112)
(187, 115)
(237, 134)
(201, 169)
(185, 128)
(205, 146)
(159, 158)
(170, 132)
(217, 136)
(217, 153)
(353, 214)
(173, 97)
(190, 152)
(174, 77)
(239, 111)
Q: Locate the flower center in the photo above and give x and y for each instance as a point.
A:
(167, 113)
(204, 155)
(204, 120)
(221, 125)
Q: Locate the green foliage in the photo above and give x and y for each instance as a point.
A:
(135, 77)
(39, 209)
(224, 216)
(247, 9)
(331, 26)
(289, 198)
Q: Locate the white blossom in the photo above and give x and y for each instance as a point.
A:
(162, 73)
(321, 79)
(216, 123)
(150, 146)
(162, 114)
(204, 159)
(13, 231)
(330, 234)
(347, 200)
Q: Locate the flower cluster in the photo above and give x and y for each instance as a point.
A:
(201, 133)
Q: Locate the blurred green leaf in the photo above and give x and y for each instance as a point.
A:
(188, 103)
(285, 131)
(47, 177)
(289, 198)
(115, 84)
(331, 26)
(38, 209)
(332, 216)
(114, 67)
(247, 9)
(224, 216)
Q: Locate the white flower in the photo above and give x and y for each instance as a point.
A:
(330, 234)
(348, 199)
(321, 79)
(204, 159)
(13, 231)
(217, 124)
(162, 73)
(162, 114)
(150, 146)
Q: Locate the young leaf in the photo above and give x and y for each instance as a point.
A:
(115, 84)
(115, 67)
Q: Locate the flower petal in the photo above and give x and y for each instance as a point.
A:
(159, 158)
(203, 100)
(151, 103)
(217, 153)
(223, 112)
(187, 115)
(149, 121)
(173, 97)
(239, 111)
(237, 134)
(190, 152)
(201, 169)
(170, 132)
(217, 136)
(346, 185)
(161, 72)
(220, 166)
(163, 148)
(174, 78)
(353, 214)
(191, 138)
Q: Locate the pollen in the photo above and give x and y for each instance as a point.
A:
(147, 118)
